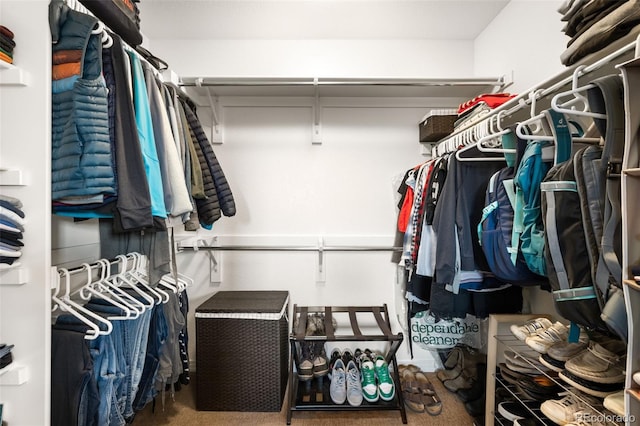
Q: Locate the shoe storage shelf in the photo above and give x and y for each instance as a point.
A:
(500, 340)
(632, 394)
(361, 320)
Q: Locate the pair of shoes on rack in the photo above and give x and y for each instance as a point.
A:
(376, 379)
(601, 362)
(345, 383)
(544, 339)
(574, 406)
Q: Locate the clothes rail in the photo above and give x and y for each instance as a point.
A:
(291, 248)
(316, 81)
(524, 99)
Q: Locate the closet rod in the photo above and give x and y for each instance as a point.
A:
(249, 82)
(291, 248)
(522, 100)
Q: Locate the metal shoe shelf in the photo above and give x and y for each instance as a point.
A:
(503, 338)
(367, 324)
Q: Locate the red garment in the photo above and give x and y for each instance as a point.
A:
(405, 211)
(493, 100)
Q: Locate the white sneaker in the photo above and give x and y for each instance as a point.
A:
(563, 411)
(636, 377)
(530, 328)
(540, 342)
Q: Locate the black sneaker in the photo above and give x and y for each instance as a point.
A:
(601, 390)
(347, 356)
(551, 363)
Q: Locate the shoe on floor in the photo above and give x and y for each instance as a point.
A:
(386, 388)
(541, 341)
(517, 410)
(354, 387)
(338, 387)
(444, 375)
(530, 328)
(368, 381)
(636, 377)
(601, 363)
(615, 403)
(463, 381)
(601, 390)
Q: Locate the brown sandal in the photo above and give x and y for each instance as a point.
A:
(430, 399)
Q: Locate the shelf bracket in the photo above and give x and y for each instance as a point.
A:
(316, 137)
(9, 177)
(216, 135)
(321, 272)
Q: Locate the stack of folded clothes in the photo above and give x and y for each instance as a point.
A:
(476, 109)
(595, 24)
(11, 229)
(5, 355)
(6, 44)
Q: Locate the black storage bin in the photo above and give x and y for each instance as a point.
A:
(242, 351)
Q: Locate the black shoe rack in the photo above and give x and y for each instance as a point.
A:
(374, 320)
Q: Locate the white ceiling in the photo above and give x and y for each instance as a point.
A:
(317, 19)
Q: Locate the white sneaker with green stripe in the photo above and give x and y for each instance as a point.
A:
(386, 387)
(368, 380)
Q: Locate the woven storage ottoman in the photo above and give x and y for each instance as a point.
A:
(242, 351)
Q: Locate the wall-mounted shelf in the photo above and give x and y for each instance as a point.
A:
(10, 177)
(11, 75)
(346, 87)
(14, 375)
(14, 276)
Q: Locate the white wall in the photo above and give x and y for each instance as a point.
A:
(317, 58)
(524, 38)
(25, 128)
(289, 191)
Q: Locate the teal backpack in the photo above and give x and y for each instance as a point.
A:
(528, 228)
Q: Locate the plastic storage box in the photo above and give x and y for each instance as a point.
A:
(242, 351)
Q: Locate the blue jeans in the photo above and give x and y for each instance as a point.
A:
(157, 337)
(135, 344)
(115, 412)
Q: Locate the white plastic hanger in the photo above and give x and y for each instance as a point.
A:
(480, 135)
(136, 306)
(569, 107)
(79, 311)
(537, 131)
(122, 278)
(97, 289)
(139, 273)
